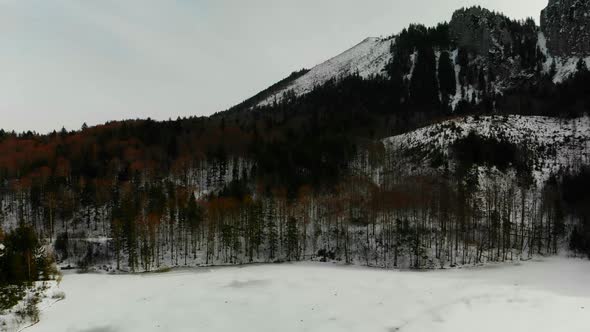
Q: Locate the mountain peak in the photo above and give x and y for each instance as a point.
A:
(479, 29)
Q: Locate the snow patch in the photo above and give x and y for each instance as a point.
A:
(542, 43)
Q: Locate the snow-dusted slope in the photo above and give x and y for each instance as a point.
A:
(559, 143)
(565, 67)
(367, 58)
(372, 55)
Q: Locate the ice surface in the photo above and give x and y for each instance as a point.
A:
(548, 295)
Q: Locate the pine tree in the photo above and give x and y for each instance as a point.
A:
(581, 67)
(424, 86)
(292, 246)
(552, 69)
(446, 77)
(272, 233)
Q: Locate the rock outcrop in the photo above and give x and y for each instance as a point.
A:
(566, 25)
(479, 30)
(504, 47)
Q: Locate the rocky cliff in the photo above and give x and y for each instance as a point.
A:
(480, 30)
(566, 25)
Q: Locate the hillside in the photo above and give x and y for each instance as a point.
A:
(556, 144)
(450, 145)
(501, 54)
(366, 59)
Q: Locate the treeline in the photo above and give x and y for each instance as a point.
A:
(427, 220)
(571, 98)
(493, 152)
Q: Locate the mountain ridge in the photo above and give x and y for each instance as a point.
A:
(489, 34)
(366, 58)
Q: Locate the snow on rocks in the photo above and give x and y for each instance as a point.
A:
(368, 58)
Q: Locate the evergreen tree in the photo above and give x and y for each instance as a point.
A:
(581, 67)
(446, 77)
(272, 233)
(423, 85)
(194, 214)
(292, 235)
(22, 258)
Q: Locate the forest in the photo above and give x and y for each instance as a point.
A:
(295, 180)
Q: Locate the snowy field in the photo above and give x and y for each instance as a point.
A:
(548, 295)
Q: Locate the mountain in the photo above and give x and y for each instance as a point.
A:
(368, 58)
(463, 143)
(508, 50)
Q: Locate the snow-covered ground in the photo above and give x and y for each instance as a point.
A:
(366, 58)
(552, 294)
(41, 295)
(563, 142)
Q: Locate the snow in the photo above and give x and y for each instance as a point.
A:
(47, 292)
(468, 91)
(98, 239)
(457, 97)
(413, 58)
(542, 43)
(565, 67)
(548, 295)
(565, 142)
(371, 56)
(368, 58)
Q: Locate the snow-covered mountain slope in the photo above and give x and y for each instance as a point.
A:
(557, 143)
(367, 58)
(564, 66)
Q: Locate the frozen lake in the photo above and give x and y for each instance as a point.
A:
(548, 295)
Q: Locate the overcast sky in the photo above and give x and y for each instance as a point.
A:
(65, 62)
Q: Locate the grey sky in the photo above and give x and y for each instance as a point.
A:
(65, 62)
